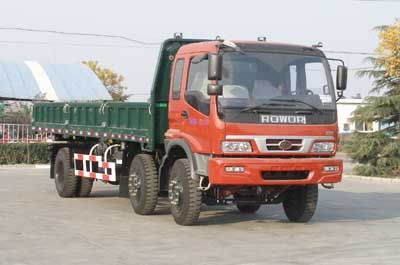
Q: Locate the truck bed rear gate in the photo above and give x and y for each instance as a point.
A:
(88, 161)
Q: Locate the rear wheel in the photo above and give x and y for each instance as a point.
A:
(183, 193)
(248, 208)
(300, 203)
(65, 179)
(143, 184)
(84, 185)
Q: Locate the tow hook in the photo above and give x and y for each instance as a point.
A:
(328, 186)
(204, 188)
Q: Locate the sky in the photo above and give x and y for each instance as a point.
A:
(341, 25)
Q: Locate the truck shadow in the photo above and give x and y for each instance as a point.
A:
(104, 193)
(344, 206)
(333, 206)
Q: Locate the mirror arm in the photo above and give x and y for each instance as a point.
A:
(334, 59)
(340, 95)
(216, 103)
(217, 107)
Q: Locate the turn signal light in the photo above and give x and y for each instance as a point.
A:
(331, 168)
(233, 169)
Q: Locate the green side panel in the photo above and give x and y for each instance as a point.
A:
(125, 121)
(161, 121)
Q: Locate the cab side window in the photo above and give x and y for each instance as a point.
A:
(196, 92)
(176, 86)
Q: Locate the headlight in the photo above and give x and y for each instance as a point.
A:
(236, 147)
(323, 147)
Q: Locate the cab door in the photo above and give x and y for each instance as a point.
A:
(175, 98)
(189, 109)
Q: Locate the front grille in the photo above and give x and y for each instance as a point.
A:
(273, 144)
(284, 175)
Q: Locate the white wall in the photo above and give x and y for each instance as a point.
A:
(345, 107)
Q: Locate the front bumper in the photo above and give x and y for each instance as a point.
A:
(254, 167)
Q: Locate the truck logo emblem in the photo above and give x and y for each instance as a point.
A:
(285, 145)
(291, 119)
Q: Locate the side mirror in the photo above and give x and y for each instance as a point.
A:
(214, 67)
(214, 90)
(341, 77)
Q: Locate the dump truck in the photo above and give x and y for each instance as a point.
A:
(246, 123)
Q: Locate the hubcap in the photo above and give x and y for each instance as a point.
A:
(175, 190)
(136, 184)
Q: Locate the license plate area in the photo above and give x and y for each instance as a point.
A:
(285, 175)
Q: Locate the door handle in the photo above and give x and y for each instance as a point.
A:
(184, 114)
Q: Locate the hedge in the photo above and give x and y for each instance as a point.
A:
(23, 153)
(377, 153)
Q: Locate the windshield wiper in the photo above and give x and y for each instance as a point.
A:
(231, 45)
(264, 106)
(297, 101)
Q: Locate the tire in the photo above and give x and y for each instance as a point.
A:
(64, 177)
(248, 208)
(143, 184)
(84, 187)
(300, 203)
(183, 193)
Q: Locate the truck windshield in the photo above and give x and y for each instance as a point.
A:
(267, 81)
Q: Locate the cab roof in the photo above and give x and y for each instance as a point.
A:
(253, 46)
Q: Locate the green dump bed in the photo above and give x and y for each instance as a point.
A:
(127, 121)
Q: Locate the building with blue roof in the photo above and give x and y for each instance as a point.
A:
(55, 82)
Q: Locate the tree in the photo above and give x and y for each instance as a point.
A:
(22, 114)
(379, 153)
(111, 80)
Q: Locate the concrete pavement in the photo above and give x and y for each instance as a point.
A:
(357, 223)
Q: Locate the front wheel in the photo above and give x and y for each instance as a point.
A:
(184, 194)
(300, 203)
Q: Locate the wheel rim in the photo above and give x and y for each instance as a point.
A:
(175, 191)
(136, 185)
